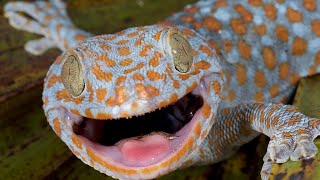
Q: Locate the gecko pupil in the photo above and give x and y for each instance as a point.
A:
(168, 120)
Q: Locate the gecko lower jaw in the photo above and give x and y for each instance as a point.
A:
(144, 140)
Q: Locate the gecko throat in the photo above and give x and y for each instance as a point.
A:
(167, 120)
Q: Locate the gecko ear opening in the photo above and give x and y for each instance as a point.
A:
(71, 75)
(181, 51)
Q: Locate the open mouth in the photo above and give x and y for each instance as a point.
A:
(142, 140)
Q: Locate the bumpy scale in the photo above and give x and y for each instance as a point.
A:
(244, 58)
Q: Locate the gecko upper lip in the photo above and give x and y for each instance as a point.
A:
(168, 120)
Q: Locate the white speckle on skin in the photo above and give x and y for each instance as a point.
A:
(222, 15)
(314, 45)
(267, 41)
(257, 20)
(116, 110)
(300, 29)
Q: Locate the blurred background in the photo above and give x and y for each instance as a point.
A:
(29, 149)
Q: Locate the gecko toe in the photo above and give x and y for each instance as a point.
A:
(305, 149)
(280, 151)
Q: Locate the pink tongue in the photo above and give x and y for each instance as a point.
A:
(148, 149)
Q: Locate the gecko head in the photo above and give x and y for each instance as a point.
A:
(135, 104)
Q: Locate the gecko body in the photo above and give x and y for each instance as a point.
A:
(147, 100)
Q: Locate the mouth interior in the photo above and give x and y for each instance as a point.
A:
(168, 120)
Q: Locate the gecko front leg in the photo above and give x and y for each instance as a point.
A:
(49, 19)
(291, 133)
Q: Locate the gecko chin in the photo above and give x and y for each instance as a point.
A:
(143, 140)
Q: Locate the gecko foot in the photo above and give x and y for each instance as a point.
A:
(49, 19)
(292, 140)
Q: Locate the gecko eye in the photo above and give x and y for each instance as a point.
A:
(181, 51)
(71, 75)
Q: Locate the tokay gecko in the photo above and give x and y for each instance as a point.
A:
(190, 90)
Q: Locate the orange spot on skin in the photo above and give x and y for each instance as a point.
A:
(74, 111)
(88, 113)
(317, 58)
(100, 75)
(245, 14)
(192, 9)
(101, 94)
(315, 25)
(139, 41)
(77, 100)
(197, 25)
(119, 97)
(138, 77)
(63, 95)
(53, 79)
(188, 32)
(142, 91)
(202, 65)
(216, 87)
(153, 76)
(261, 29)
(206, 50)
(122, 42)
(312, 70)
(274, 90)
(221, 3)
(56, 126)
(153, 91)
(124, 51)
(134, 105)
(173, 98)
(80, 37)
(299, 46)
(76, 141)
(270, 11)
(260, 79)
(227, 45)
(120, 79)
(245, 50)
(109, 62)
(154, 61)
(282, 33)
(104, 116)
(133, 34)
(176, 84)
(241, 74)
(192, 87)
(184, 76)
(145, 50)
(157, 36)
(284, 69)
(126, 62)
(58, 60)
(90, 91)
(269, 57)
(137, 67)
(206, 110)
(215, 47)
(294, 16)
(294, 78)
(186, 19)
(212, 23)
(310, 5)
(259, 97)
(255, 2)
(238, 26)
(197, 130)
(231, 95)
